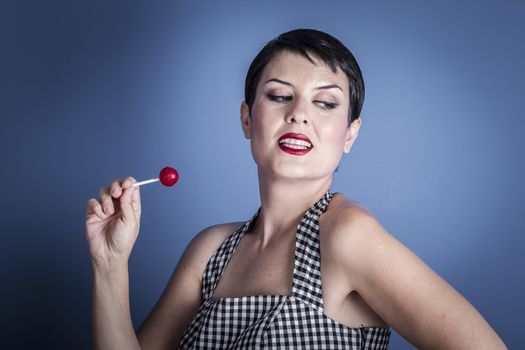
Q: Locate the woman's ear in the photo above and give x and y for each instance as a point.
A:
(245, 120)
(351, 134)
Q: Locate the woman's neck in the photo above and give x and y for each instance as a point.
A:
(284, 202)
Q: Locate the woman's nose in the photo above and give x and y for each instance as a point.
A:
(298, 113)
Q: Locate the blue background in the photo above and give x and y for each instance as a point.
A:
(91, 91)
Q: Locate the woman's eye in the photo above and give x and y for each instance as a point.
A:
(279, 98)
(326, 105)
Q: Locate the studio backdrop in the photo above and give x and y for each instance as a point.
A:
(98, 90)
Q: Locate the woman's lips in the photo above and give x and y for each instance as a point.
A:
(295, 144)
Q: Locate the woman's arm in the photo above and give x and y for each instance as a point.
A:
(165, 325)
(112, 227)
(111, 323)
(403, 290)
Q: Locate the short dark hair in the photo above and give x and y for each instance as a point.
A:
(307, 42)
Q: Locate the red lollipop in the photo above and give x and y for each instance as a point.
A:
(168, 176)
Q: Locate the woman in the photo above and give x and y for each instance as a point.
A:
(311, 269)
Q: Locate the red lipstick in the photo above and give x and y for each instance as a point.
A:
(295, 144)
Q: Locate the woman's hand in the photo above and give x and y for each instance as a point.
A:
(112, 222)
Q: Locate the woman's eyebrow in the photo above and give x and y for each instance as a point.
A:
(278, 81)
(322, 87)
(331, 86)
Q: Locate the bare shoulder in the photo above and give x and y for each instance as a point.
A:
(354, 240)
(205, 243)
(217, 232)
(345, 210)
(348, 224)
(200, 249)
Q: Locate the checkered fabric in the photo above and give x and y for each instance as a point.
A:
(293, 321)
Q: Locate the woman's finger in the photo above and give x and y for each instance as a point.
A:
(135, 201)
(115, 189)
(128, 213)
(135, 195)
(94, 207)
(128, 182)
(106, 201)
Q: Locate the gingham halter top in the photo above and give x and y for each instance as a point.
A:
(296, 321)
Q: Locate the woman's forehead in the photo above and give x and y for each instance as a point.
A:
(292, 66)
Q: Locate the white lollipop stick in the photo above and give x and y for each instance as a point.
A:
(145, 182)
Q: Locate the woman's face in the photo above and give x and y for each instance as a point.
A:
(299, 121)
